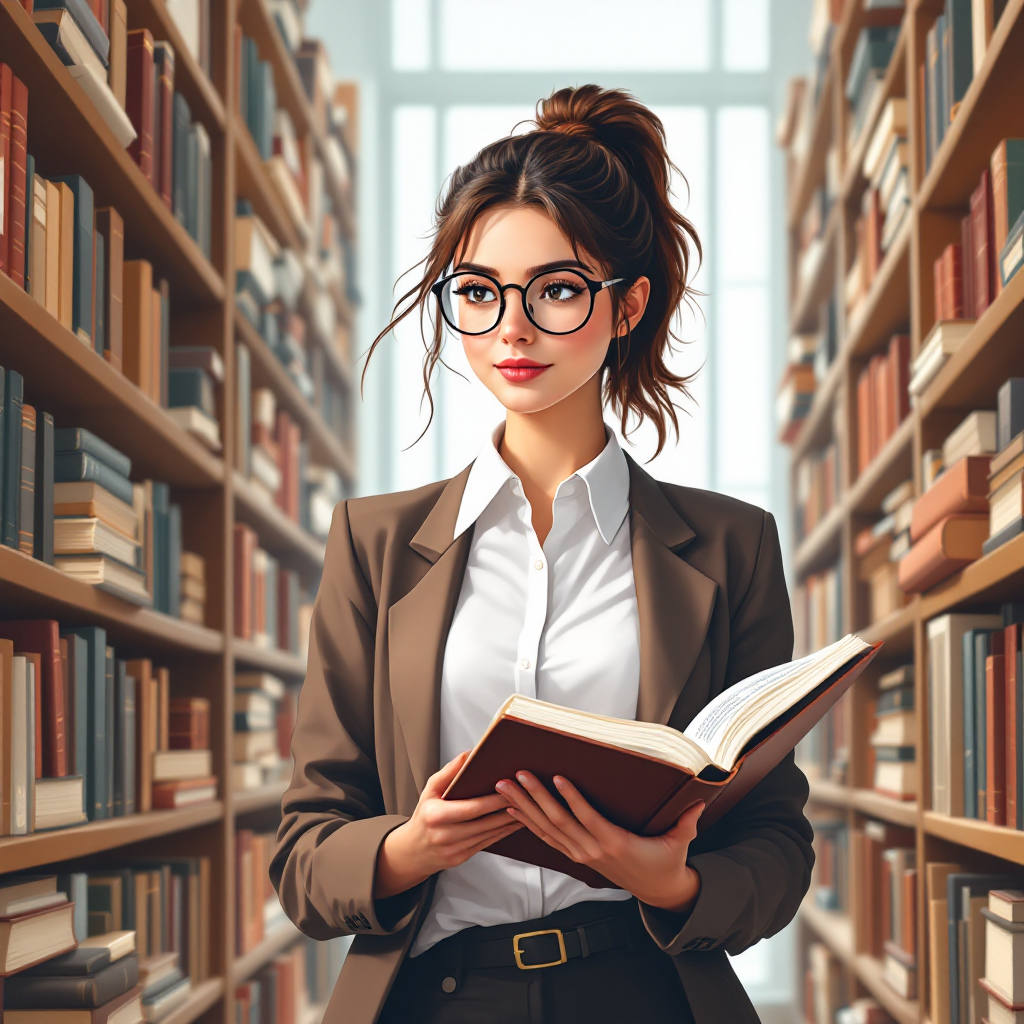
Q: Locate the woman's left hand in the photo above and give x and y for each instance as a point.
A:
(652, 869)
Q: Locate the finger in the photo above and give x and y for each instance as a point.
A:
(466, 810)
(562, 819)
(469, 830)
(593, 821)
(488, 839)
(538, 822)
(685, 829)
(442, 779)
(554, 842)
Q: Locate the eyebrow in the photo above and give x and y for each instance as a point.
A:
(531, 271)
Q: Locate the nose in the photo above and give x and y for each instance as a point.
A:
(515, 325)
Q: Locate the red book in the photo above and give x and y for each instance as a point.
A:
(982, 227)
(1011, 645)
(139, 104)
(966, 249)
(42, 637)
(182, 792)
(16, 194)
(189, 723)
(995, 740)
(952, 281)
(6, 97)
(245, 547)
(163, 146)
(940, 295)
(863, 420)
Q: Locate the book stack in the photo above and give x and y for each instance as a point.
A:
(280, 993)
(36, 924)
(825, 985)
(879, 549)
(831, 869)
(257, 904)
(794, 399)
(894, 739)
(267, 597)
(194, 374)
(181, 769)
(101, 547)
(977, 715)
(264, 718)
(950, 522)
(886, 167)
(871, 56)
(817, 488)
(817, 610)
(1003, 956)
(256, 250)
(193, 588)
(90, 40)
(1006, 469)
(883, 401)
(943, 340)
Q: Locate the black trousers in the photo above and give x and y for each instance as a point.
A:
(636, 982)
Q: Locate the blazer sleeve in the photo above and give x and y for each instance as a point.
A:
(755, 864)
(333, 819)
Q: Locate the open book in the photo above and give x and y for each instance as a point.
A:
(642, 775)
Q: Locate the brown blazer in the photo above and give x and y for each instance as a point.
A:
(713, 609)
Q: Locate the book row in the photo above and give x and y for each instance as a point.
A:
(808, 358)
(89, 736)
(878, 549)
(818, 610)
(816, 490)
(883, 401)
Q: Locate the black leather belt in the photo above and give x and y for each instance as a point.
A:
(547, 947)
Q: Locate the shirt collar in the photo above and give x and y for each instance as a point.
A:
(606, 480)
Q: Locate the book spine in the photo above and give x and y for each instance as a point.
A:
(66, 258)
(139, 98)
(30, 173)
(1000, 208)
(37, 233)
(27, 500)
(979, 234)
(13, 400)
(969, 727)
(967, 251)
(42, 534)
(165, 99)
(128, 743)
(138, 323)
(110, 225)
(75, 440)
(117, 74)
(6, 98)
(162, 384)
(1009, 723)
(82, 284)
(243, 543)
(174, 561)
(16, 190)
(79, 466)
(182, 120)
(99, 292)
(110, 731)
(995, 700)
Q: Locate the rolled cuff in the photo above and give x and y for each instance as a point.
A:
(343, 874)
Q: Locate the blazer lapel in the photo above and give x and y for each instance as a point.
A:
(418, 627)
(674, 600)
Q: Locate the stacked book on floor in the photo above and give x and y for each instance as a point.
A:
(879, 548)
(894, 739)
(976, 682)
(264, 719)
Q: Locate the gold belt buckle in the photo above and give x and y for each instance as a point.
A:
(528, 935)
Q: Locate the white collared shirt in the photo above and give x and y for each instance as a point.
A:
(557, 622)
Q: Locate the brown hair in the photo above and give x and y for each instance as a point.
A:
(597, 164)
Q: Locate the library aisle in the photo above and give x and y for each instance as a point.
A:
(177, 300)
(903, 406)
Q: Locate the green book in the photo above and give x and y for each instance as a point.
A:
(14, 393)
(97, 738)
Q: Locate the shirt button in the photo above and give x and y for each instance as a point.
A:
(538, 564)
(448, 985)
(525, 663)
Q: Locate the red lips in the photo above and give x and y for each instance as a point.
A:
(520, 370)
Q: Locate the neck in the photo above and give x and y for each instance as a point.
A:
(544, 448)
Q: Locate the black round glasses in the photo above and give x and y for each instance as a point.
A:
(558, 301)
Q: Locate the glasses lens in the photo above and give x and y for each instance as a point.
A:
(471, 303)
(559, 301)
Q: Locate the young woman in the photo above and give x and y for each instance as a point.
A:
(556, 567)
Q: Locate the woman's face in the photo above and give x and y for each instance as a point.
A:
(525, 369)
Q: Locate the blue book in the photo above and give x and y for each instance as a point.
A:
(14, 394)
(76, 886)
(82, 280)
(99, 299)
(78, 439)
(78, 706)
(97, 740)
(191, 385)
(69, 466)
(161, 529)
(873, 49)
(182, 118)
(110, 696)
(960, 58)
(86, 22)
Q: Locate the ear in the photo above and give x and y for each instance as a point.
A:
(634, 302)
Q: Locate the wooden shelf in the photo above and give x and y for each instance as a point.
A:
(65, 375)
(19, 853)
(892, 465)
(875, 805)
(809, 298)
(833, 928)
(996, 840)
(255, 185)
(821, 546)
(267, 659)
(40, 590)
(276, 940)
(992, 579)
(280, 535)
(825, 791)
(812, 171)
(896, 629)
(248, 801)
(324, 446)
(72, 124)
(870, 973)
(201, 999)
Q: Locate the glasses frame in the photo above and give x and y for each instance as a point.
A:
(593, 286)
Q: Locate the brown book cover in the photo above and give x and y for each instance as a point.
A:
(163, 101)
(181, 792)
(908, 922)
(6, 99)
(944, 550)
(69, 721)
(1011, 645)
(938, 293)
(111, 226)
(117, 73)
(953, 281)
(967, 248)
(245, 546)
(984, 254)
(139, 98)
(962, 488)
(6, 722)
(642, 794)
(53, 237)
(42, 637)
(16, 197)
(243, 889)
(52, 929)
(27, 475)
(141, 670)
(995, 741)
(863, 421)
(37, 664)
(163, 714)
(189, 723)
(137, 342)
(155, 332)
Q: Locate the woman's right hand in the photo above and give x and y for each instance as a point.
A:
(440, 834)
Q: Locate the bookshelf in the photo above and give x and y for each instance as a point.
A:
(899, 299)
(64, 376)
